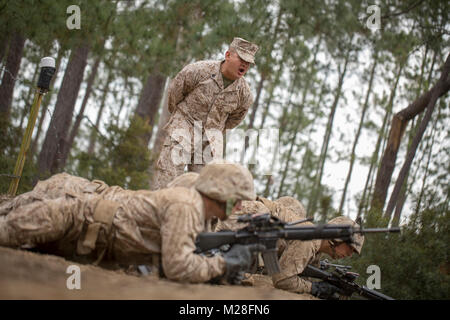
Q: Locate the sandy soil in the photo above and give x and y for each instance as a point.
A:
(29, 275)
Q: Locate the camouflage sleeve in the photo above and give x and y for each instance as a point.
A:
(292, 262)
(183, 83)
(178, 232)
(293, 284)
(229, 224)
(239, 114)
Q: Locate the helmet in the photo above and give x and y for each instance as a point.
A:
(252, 207)
(358, 239)
(186, 180)
(224, 181)
(292, 204)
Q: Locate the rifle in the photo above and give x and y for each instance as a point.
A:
(342, 279)
(266, 229)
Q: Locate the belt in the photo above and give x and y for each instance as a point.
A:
(103, 217)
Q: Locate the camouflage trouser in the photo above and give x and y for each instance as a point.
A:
(173, 160)
(55, 187)
(41, 221)
(66, 226)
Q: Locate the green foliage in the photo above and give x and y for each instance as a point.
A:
(9, 149)
(121, 160)
(415, 264)
(307, 42)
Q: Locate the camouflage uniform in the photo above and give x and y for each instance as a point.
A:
(186, 180)
(197, 95)
(293, 255)
(307, 252)
(113, 225)
(56, 186)
(296, 256)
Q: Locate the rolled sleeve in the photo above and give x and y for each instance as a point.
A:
(294, 259)
(178, 234)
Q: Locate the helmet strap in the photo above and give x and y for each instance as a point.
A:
(229, 206)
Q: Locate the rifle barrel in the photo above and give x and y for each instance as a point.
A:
(377, 230)
(372, 294)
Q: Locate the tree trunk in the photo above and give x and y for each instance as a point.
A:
(402, 196)
(363, 204)
(380, 138)
(253, 115)
(425, 176)
(80, 115)
(59, 124)
(358, 133)
(256, 102)
(323, 154)
(12, 66)
(273, 84)
(3, 47)
(163, 119)
(308, 154)
(288, 158)
(397, 129)
(263, 73)
(122, 101)
(149, 102)
(412, 131)
(270, 97)
(311, 74)
(297, 122)
(94, 133)
(160, 134)
(273, 39)
(282, 126)
(441, 87)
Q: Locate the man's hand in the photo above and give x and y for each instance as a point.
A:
(239, 260)
(324, 290)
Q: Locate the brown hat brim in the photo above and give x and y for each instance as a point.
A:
(245, 56)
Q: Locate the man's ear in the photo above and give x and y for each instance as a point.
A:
(227, 54)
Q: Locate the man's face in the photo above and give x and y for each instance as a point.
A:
(237, 207)
(342, 250)
(236, 67)
(228, 208)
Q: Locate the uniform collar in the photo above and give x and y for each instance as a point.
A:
(217, 76)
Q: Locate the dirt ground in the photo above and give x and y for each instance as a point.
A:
(29, 275)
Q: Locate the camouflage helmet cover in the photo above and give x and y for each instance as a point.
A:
(245, 49)
(292, 204)
(186, 180)
(223, 181)
(358, 239)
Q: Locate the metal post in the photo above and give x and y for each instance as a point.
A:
(47, 70)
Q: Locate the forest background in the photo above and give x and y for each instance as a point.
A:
(357, 89)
